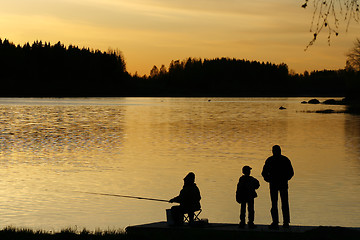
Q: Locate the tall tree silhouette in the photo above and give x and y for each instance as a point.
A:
(353, 57)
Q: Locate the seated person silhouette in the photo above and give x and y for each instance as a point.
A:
(189, 199)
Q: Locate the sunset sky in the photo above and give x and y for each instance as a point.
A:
(154, 32)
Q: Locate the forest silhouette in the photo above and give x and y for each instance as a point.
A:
(44, 70)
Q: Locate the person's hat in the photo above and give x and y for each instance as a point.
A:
(190, 177)
(246, 168)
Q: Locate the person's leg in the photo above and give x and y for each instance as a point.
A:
(251, 213)
(274, 204)
(284, 195)
(242, 212)
(191, 217)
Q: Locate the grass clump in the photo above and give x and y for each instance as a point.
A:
(14, 233)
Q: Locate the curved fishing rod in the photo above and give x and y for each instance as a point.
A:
(125, 196)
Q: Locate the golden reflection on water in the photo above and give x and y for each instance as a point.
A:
(51, 148)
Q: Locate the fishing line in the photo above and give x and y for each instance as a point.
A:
(125, 196)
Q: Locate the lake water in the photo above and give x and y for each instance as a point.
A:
(52, 148)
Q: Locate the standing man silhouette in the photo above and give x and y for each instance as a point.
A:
(277, 171)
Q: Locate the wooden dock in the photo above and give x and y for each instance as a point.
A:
(161, 230)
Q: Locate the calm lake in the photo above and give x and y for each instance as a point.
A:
(50, 149)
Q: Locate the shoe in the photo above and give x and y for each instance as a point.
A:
(241, 225)
(274, 226)
(251, 225)
(286, 225)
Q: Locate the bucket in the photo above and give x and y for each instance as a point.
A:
(169, 219)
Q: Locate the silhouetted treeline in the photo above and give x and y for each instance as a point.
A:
(326, 83)
(42, 69)
(233, 77)
(219, 77)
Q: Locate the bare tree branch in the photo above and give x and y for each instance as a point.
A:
(329, 13)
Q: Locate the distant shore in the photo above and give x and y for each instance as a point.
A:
(41, 69)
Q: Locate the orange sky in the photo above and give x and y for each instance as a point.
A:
(154, 32)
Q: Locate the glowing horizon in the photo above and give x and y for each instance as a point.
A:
(154, 32)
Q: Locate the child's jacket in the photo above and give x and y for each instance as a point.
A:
(246, 188)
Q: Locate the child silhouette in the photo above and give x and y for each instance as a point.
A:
(245, 194)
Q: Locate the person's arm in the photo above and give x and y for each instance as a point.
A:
(290, 170)
(177, 199)
(256, 183)
(238, 192)
(198, 194)
(265, 171)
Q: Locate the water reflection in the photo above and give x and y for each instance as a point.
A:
(49, 150)
(144, 146)
(47, 130)
(352, 143)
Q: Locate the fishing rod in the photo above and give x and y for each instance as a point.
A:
(126, 196)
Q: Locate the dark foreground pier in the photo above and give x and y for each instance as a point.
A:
(160, 230)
